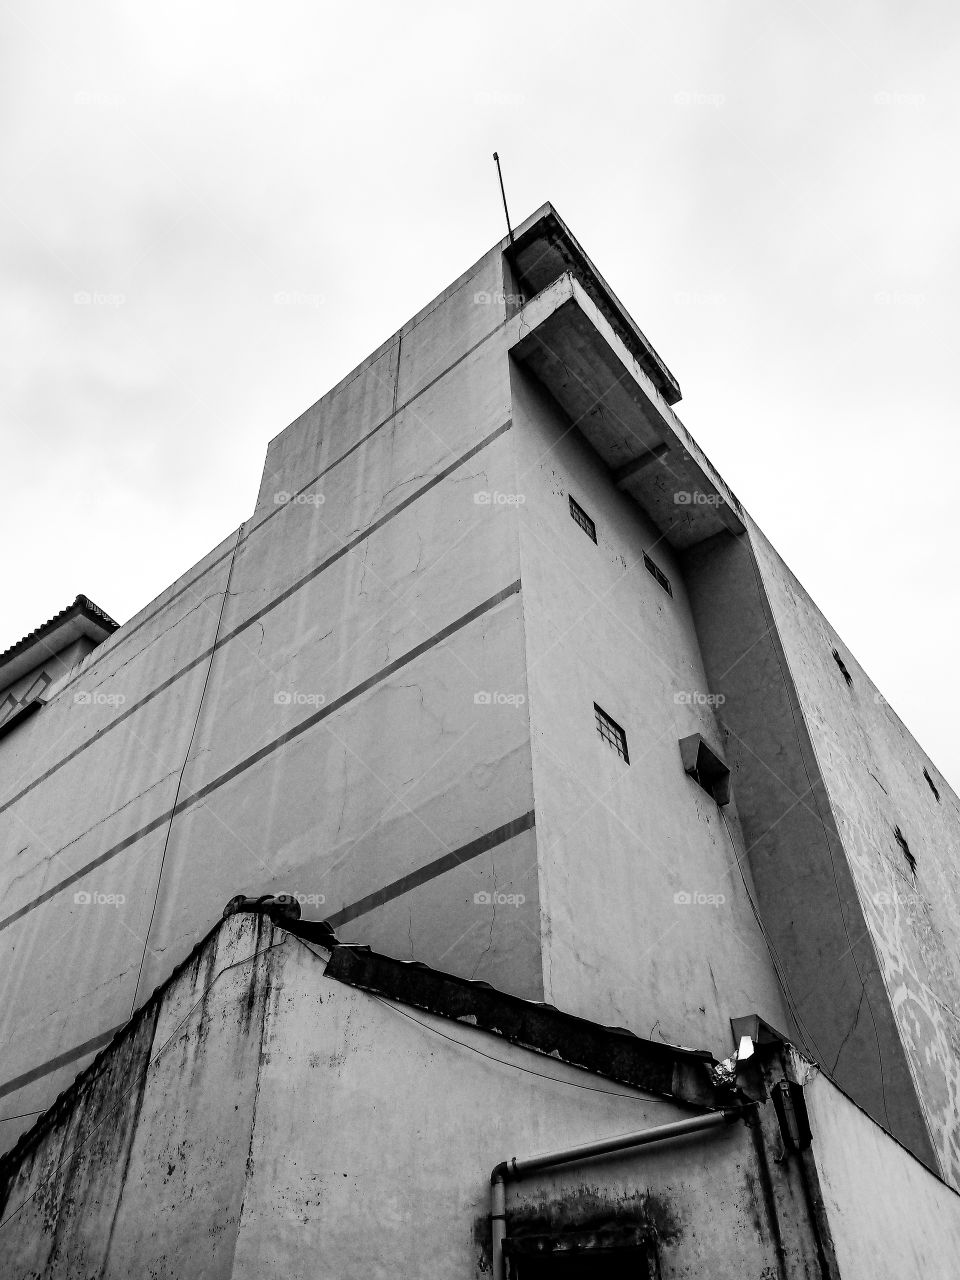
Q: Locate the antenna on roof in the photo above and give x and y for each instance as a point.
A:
(504, 194)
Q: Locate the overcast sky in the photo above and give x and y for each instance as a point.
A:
(770, 188)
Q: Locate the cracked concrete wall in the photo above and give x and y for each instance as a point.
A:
(142, 1171)
(339, 752)
(76, 780)
(399, 1184)
(52, 665)
(911, 1229)
(839, 1010)
(873, 772)
(618, 843)
(826, 774)
(263, 1120)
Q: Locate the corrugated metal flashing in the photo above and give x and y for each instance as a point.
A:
(671, 1070)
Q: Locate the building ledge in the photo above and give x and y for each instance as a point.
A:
(544, 249)
(564, 340)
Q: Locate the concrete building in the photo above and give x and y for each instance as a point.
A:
(500, 679)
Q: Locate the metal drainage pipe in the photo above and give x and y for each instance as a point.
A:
(512, 1169)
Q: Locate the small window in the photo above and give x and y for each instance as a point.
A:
(611, 733)
(657, 572)
(843, 669)
(932, 785)
(603, 1253)
(583, 520)
(905, 850)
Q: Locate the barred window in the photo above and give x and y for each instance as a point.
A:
(582, 519)
(654, 569)
(611, 733)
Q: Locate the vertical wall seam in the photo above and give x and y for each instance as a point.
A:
(546, 977)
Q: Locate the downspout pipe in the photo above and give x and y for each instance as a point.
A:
(512, 1169)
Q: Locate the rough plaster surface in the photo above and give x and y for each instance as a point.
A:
(874, 774)
(646, 918)
(411, 548)
(338, 642)
(889, 1216)
(839, 1008)
(264, 1120)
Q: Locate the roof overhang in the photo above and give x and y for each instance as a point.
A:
(82, 618)
(543, 249)
(566, 341)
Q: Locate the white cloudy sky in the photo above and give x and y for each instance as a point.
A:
(769, 187)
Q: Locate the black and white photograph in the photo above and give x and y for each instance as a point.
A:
(478, 638)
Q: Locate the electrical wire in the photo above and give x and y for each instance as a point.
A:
(810, 1043)
(833, 866)
(183, 769)
(463, 1044)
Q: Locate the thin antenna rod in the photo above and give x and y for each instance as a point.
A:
(504, 194)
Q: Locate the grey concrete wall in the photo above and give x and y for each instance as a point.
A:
(873, 771)
(262, 1120)
(889, 1216)
(143, 1171)
(839, 1007)
(620, 845)
(331, 746)
(53, 665)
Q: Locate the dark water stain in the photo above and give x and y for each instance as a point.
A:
(585, 1209)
